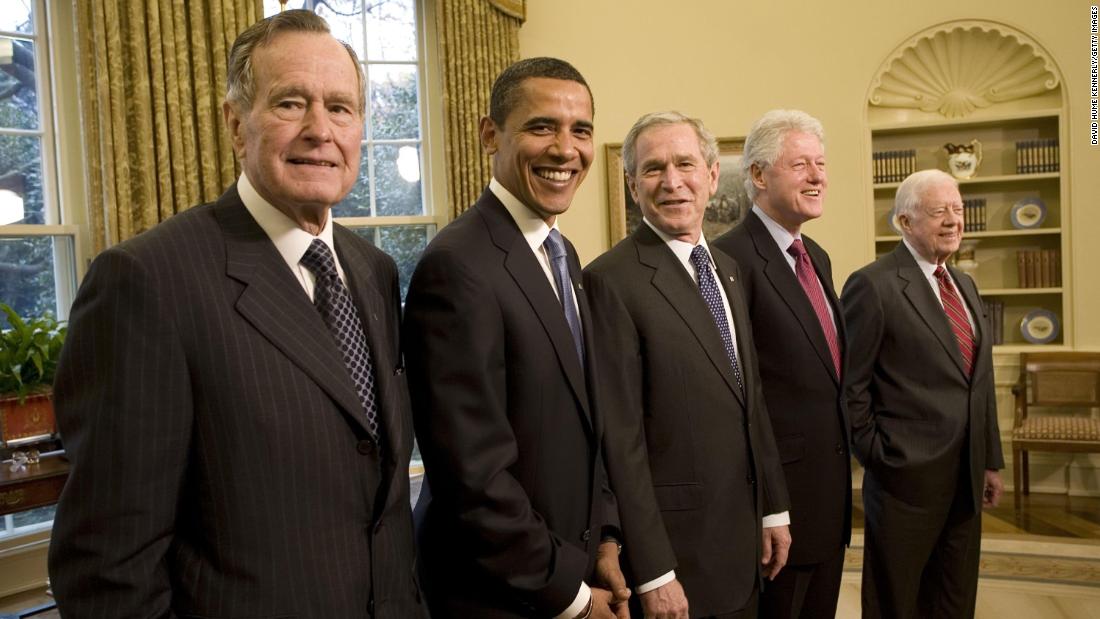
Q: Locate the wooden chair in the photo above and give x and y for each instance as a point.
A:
(1065, 388)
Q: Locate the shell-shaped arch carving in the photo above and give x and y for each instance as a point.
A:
(955, 68)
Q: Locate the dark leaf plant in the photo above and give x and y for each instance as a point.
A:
(29, 349)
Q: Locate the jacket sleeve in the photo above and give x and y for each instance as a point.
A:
(124, 409)
(864, 322)
(647, 551)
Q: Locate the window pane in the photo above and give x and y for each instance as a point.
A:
(30, 517)
(21, 180)
(17, 16)
(391, 30)
(393, 102)
(345, 19)
(403, 243)
(18, 95)
(357, 202)
(31, 268)
(397, 180)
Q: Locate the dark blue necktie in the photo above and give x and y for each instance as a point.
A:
(700, 259)
(555, 248)
(332, 300)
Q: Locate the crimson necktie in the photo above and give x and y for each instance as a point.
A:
(332, 300)
(956, 315)
(804, 269)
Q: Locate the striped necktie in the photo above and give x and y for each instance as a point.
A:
(956, 315)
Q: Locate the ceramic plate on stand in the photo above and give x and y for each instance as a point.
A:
(1028, 213)
(1040, 326)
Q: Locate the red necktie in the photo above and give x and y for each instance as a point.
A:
(956, 315)
(806, 276)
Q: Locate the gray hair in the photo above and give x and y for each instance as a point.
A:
(913, 187)
(766, 140)
(708, 145)
(240, 82)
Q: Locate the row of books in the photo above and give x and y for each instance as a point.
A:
(996, 311)
(974, 214)
(892, 166)
(1037, 156)
(1039, 268)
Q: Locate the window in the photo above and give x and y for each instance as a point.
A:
(37, 253)
(38, 238)
(391, 204)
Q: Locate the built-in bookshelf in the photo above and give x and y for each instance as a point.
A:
(1016, 202)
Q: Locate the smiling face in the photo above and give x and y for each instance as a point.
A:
(299, 143)
(544, 149)
(935, 228)
(792, 190)
(672, 182)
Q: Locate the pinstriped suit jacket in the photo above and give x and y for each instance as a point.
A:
(220, 462)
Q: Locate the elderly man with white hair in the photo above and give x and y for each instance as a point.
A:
(923, 414)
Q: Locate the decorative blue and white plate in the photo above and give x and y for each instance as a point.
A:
(1028, 213)
(1040, 326)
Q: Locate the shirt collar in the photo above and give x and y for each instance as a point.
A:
(783, 237)
(531, 226)
(682, 249)
(926, 267)
(291, 241)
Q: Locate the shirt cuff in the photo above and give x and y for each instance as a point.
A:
(659, 581)
(578, 604)
(781, 519)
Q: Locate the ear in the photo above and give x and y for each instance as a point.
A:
(633, 187)
(757, 174)
(714, 174)
(488, 131)
(234, 122)
(906, 222)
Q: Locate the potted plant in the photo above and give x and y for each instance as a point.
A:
(29, 349)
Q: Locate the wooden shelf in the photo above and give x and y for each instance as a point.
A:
(988, 180)
(985, 234)
(963, 123)
(1004, 292)
(1010, 349)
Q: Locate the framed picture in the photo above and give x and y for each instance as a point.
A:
(728, 206)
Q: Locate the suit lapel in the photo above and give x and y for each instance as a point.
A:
(274, 303)
(919, 293)
(783, 279)
(521, 264)
(675, 284)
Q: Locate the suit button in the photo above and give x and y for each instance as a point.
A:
(586, 535)
(749, 479)
(365, 447)
(840, 451)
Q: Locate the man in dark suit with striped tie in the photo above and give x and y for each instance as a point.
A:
(231, 393)
(923, 411)
(798, 328)
(690, 451)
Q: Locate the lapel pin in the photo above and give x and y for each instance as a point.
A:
(731, 279)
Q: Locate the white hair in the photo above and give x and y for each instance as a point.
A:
(766, 140)
(914, 186)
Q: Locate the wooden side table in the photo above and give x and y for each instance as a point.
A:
(35, 485)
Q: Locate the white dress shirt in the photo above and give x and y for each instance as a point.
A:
(291, 241)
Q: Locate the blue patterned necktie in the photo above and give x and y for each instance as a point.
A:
(555, 248)
(700, 259)
(332, 300)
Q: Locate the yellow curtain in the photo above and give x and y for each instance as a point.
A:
(152, 79)
(477, 40)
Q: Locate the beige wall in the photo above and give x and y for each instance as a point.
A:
(729, 61)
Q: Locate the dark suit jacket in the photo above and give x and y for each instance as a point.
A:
(220, 461)
(685, 448)
(804, 395)
(506, 422)
(916, 417)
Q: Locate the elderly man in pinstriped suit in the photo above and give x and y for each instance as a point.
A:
(231, 394)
